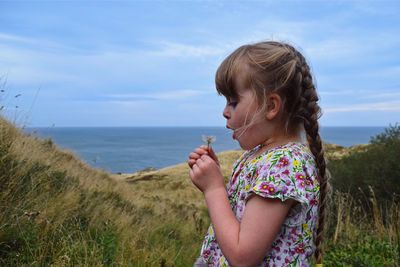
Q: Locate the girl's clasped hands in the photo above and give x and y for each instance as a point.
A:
(205, 171)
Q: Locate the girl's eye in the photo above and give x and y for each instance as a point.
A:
(232, 103)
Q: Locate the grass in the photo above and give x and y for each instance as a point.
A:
(57, 211)
(357, 237)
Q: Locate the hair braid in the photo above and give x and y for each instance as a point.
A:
(278, 67)
(309, 112)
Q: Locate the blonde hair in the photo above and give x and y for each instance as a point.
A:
(276, 67)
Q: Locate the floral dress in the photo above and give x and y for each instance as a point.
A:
(285, 172)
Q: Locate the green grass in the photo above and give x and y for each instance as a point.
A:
(57, 211)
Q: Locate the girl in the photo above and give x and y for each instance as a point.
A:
(271, 213)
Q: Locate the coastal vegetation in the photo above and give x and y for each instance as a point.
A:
(57, 211)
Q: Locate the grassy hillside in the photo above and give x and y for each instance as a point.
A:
(55, 210)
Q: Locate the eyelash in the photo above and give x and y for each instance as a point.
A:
(232, 103)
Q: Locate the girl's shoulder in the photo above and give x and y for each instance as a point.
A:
(243, 157)
(292, 150)
(287, 171)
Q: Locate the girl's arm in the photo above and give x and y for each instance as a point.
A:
(243, 243)
(246, 243)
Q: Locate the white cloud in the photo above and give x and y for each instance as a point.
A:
(15, 38)
(337, 93)
(391, 95)
(174, 49)
(33, 62)
(164, 95)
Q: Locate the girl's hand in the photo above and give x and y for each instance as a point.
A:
(205, 172)
(198, 152)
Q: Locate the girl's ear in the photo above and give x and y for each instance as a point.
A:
(274, 105)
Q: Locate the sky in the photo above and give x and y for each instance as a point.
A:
(152, 63)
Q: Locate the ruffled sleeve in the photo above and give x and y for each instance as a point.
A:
(284, 174)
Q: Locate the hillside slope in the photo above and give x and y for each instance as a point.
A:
(56, 210)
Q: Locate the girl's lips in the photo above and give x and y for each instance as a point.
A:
(233, 131)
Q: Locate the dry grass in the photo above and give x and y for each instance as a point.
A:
(58, 211)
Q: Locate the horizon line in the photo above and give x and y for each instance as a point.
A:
(186, 126)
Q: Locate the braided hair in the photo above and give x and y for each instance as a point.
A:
(278, 67)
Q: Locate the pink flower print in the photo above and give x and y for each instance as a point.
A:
(271, 189)
(284, 161)
(313, 202)
(263, 168)
(267, 187)
(206, 253)
(264, 186)
(286, 172)
(278, 249)
(284, 190)
(300, 176)
(299, 249)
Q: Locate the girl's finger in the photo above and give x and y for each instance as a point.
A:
(212, 154)
(201, 151)
(191, 162)
(194, 155)
(195, 169)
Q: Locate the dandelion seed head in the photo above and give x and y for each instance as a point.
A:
(208, 139)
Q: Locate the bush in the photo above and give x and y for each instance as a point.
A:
(367, 251)
(377, 167)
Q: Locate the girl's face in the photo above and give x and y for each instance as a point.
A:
(242, 118)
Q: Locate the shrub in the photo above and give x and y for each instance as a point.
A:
(377, 167)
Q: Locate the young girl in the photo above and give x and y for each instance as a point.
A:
(271, 213)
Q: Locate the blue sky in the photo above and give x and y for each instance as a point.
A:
(152, 63)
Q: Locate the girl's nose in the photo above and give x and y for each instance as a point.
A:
(226, 112)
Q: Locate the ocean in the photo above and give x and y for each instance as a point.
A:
(130, 149)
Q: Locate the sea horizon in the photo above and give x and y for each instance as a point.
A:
(128, 149)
